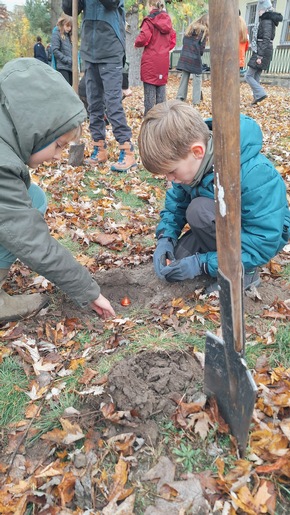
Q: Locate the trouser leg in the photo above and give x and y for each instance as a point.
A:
(160, 94)
(253, 78)
(183, 86)
(196, 88)
(201, 237)
(96, 101)
(112, 77)
(149, 96)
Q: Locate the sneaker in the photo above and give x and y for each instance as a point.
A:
(126, 159)
(99, 154)
(259, 100)
(251, 278)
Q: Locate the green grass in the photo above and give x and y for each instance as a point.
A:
(129, 199)
(12, 400)
(71, 245)
(278, 353)
(286, 272)
(49, 418)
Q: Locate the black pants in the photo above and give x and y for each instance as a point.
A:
(201, 237)
(67, 75)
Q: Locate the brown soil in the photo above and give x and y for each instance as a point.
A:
(145, 290)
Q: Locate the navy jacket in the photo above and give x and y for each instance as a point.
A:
(39, 52)
(103, 30)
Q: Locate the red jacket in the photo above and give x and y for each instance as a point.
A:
(158, 37)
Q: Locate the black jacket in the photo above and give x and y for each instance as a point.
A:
(266, 33)
(39, 52)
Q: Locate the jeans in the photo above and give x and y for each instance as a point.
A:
(39, 202)
(153, 95)
(104, 92)
(253, 78)
(196, 87)
(201, 237)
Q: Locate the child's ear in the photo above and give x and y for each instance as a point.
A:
(198, 150)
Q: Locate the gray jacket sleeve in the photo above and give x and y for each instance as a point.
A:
(24, 232)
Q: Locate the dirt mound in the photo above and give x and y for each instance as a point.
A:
(149, 381)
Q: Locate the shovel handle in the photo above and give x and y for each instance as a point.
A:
(225, 88)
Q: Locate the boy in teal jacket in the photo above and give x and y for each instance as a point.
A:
(175, 141)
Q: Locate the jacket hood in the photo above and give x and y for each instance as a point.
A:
(251, 137)
(161, 21)
(271, 15)
(37, 106)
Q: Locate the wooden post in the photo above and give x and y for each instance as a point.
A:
(75, 45)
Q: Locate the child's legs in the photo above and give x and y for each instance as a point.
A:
(149, 96)
(183, 86)
(253, 78)
(39, 202)
(160, 94)
(201, 237)
(96, 101)
(196, 88)
(111, 75)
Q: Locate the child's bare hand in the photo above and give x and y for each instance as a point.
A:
(103, 307)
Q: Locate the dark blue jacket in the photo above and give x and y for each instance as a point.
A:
(103, 30)
(39, 52)
(265, 216)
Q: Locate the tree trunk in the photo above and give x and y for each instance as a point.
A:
(133, 54)
(56, 10)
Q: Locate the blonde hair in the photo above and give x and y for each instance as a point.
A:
(159, 5)
(61, 22)
(243, 31)
(74, 135)
(199, 26)
(167, 132)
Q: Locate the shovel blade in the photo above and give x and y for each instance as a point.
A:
(76, 154)
(227, 378)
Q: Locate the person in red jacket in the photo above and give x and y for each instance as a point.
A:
(158, 37)
(244, 43)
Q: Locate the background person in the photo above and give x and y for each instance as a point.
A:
(61, 46)
(190, 62)
(244, 43)
(103, 54)
(36, 124)
(262, 46)
(39, 51)
(158, 37)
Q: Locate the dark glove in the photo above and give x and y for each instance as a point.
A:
(182, 269)
(163, 251)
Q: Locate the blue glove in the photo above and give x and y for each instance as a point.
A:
(182, 269)
(163, 251)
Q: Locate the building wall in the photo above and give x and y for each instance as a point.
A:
(282, 6)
